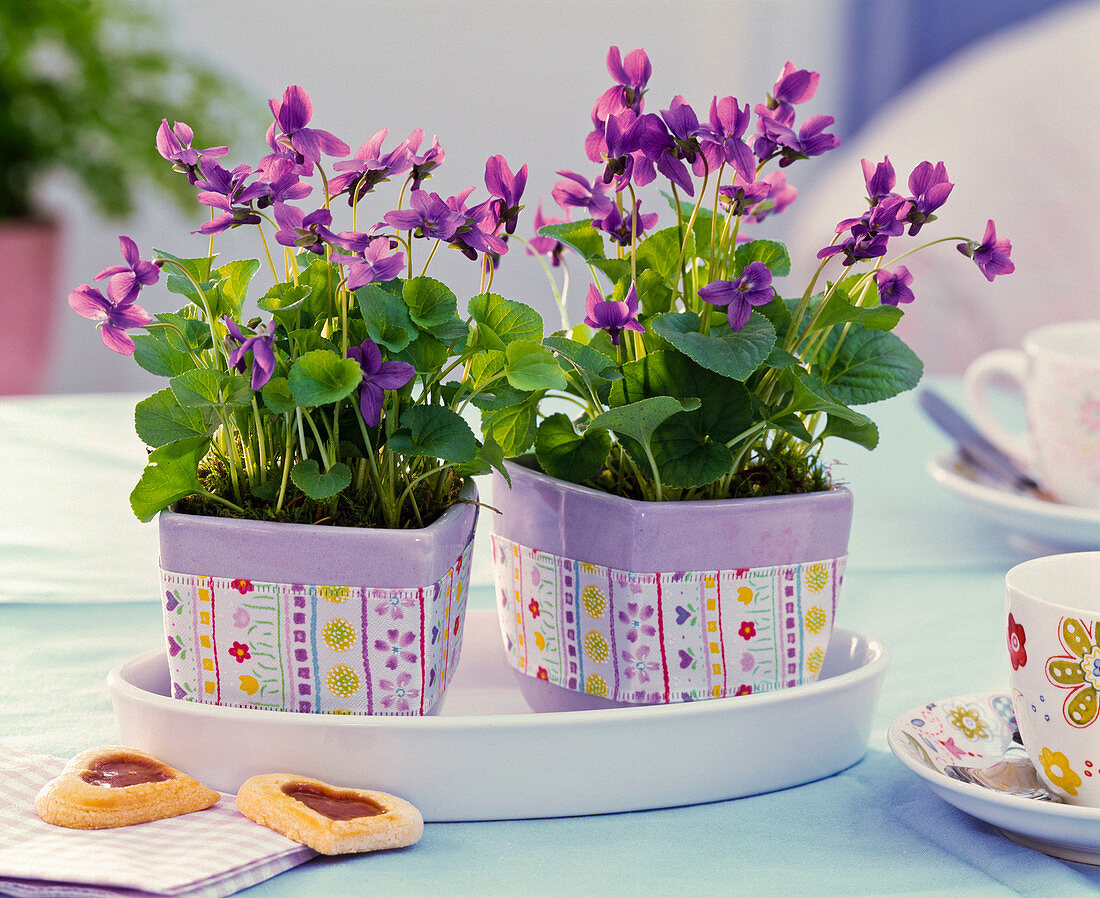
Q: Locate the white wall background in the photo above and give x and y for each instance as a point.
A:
(511, 77)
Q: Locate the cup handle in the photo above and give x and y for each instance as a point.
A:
(1007, 368)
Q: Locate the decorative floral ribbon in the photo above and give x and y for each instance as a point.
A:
(666, 637)
(319, 649)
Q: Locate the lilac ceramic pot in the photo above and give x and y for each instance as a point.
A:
(309, 618)
(655, 602)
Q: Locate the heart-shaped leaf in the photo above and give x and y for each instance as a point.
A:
(771, 252)
(434, 431)
(321, 377)
(386, 317)
(431, 303)
(501, 321)
(567, 455)
(735, 354)
(531, 366)
(170, 475)
(161, 419)
(870, 365)
(317, 484)
(579, 236)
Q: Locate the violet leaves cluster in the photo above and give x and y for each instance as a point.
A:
(345, 395)
(695, 365)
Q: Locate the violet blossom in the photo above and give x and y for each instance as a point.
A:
(793, 86)
(174, 144)
(546, 246)
(811, 140)
(753, 288)
(662, 149)
(991, 255)
(378, 376)
(374, 263)
(296, 229)
(621, 145)
(115, 313)
(226, 190)
(292, 114)
(930, 189)
(631, 80)
(429, 216)
(132, 276)
(508, 190)
(283, 183)
(259, 344)
(477, 233)
(743, 195)
(423, 163)
(618, 225)
(610, 315)
(780, 196)
(720, 140)
(370, 166)
(893, 286)
(879, 178)
(576, 191)
(870, 233)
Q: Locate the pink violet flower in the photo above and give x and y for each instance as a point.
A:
(114, 316)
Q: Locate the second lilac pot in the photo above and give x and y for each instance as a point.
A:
(657, 602)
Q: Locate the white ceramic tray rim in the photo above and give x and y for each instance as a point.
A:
(487, 755)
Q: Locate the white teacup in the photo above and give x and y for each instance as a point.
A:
(1058, 374)
(1053, 608)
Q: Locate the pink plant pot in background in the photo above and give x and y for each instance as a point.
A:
(312, 618)
(28, 258)
(658, 602)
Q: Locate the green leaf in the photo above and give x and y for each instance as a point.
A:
(512, 427)
(233, 280)
(771, 252)
(870, 365)
(199, 388)
(500, 395)
(161, 419)
(502, 321)
(171, 474)
(638, 420)
(615, 269)
(433, 431)
(277, 396)
(386, 316)
(454, 334)
(702, 226)
(309, 478)
(864, 433)
(321, 277)
(685, 459)
(431, 303)
(735, 354)
(810, 394)
(199, 268)
(321, 377)
(531, 366)
(155, 353)
(654, 294)
(579, 236)
(565, 454)
(425, 353)
(841, 308)
(591, 364)
(286, 303)
(661, 250)
(485, 368)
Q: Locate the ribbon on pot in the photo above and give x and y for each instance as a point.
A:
(653, 638)
(314, 648)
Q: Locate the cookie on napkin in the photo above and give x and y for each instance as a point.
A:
(329, 819)
(113, 786)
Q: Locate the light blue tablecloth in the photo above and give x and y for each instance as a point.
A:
(77, 596)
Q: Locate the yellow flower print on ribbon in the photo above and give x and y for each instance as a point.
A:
(342, 681)
(1056, 766)
(594, 602)
(334, 594)
(816, 619)
(596, 647)
(1078, 670)
(969, 721)
(814, 661)
(339, 634)
(596, 685)
(817, 576)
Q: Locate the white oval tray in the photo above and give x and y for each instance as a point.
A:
(488, 756)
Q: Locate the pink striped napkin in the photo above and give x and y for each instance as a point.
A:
(206, 854)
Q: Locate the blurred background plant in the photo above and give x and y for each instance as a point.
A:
(83, 85)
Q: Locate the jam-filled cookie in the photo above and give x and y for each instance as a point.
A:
(329, 819)
(116, 786)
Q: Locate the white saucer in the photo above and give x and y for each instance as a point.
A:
(979, 727)
(1035, 524)
(488, 756)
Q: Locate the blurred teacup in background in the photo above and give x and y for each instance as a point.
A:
(1053, 605)
(1058, 375)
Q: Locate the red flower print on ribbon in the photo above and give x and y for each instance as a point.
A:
(242, 586)
(533, 607)
(1016, 641)
(239, 650)
(543, 674)
(747, 631)
(743, 689)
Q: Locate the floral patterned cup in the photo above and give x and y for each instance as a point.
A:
(1058, 374)
(1053, 608)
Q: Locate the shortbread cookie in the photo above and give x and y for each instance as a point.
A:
(116, 786)
(329, 819)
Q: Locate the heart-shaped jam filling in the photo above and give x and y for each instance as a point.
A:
(119, 771)
(331, 803)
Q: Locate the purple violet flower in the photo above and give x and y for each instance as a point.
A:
(296, 229)
(423, 163)
(114, 313)
(370, 166)
(620, 147)
(477, 233)
(292, 114)
(753, 288)
(880, 179)
(378, 376)
(613, 317)
(259, 344)
(991, 255)
(132, 276)
(720, 141)
(375, 263)
(662, 150)
(811, 140)
(546, 246)
(174, 144)
(930, 189)
(794, 86)
(743, 195)
(575, 190)
(429, 216)
(780, 196)
(871, 232)
(628, 93)
(617, 225)
(507, 188)
(283, 182)
(893, 286)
